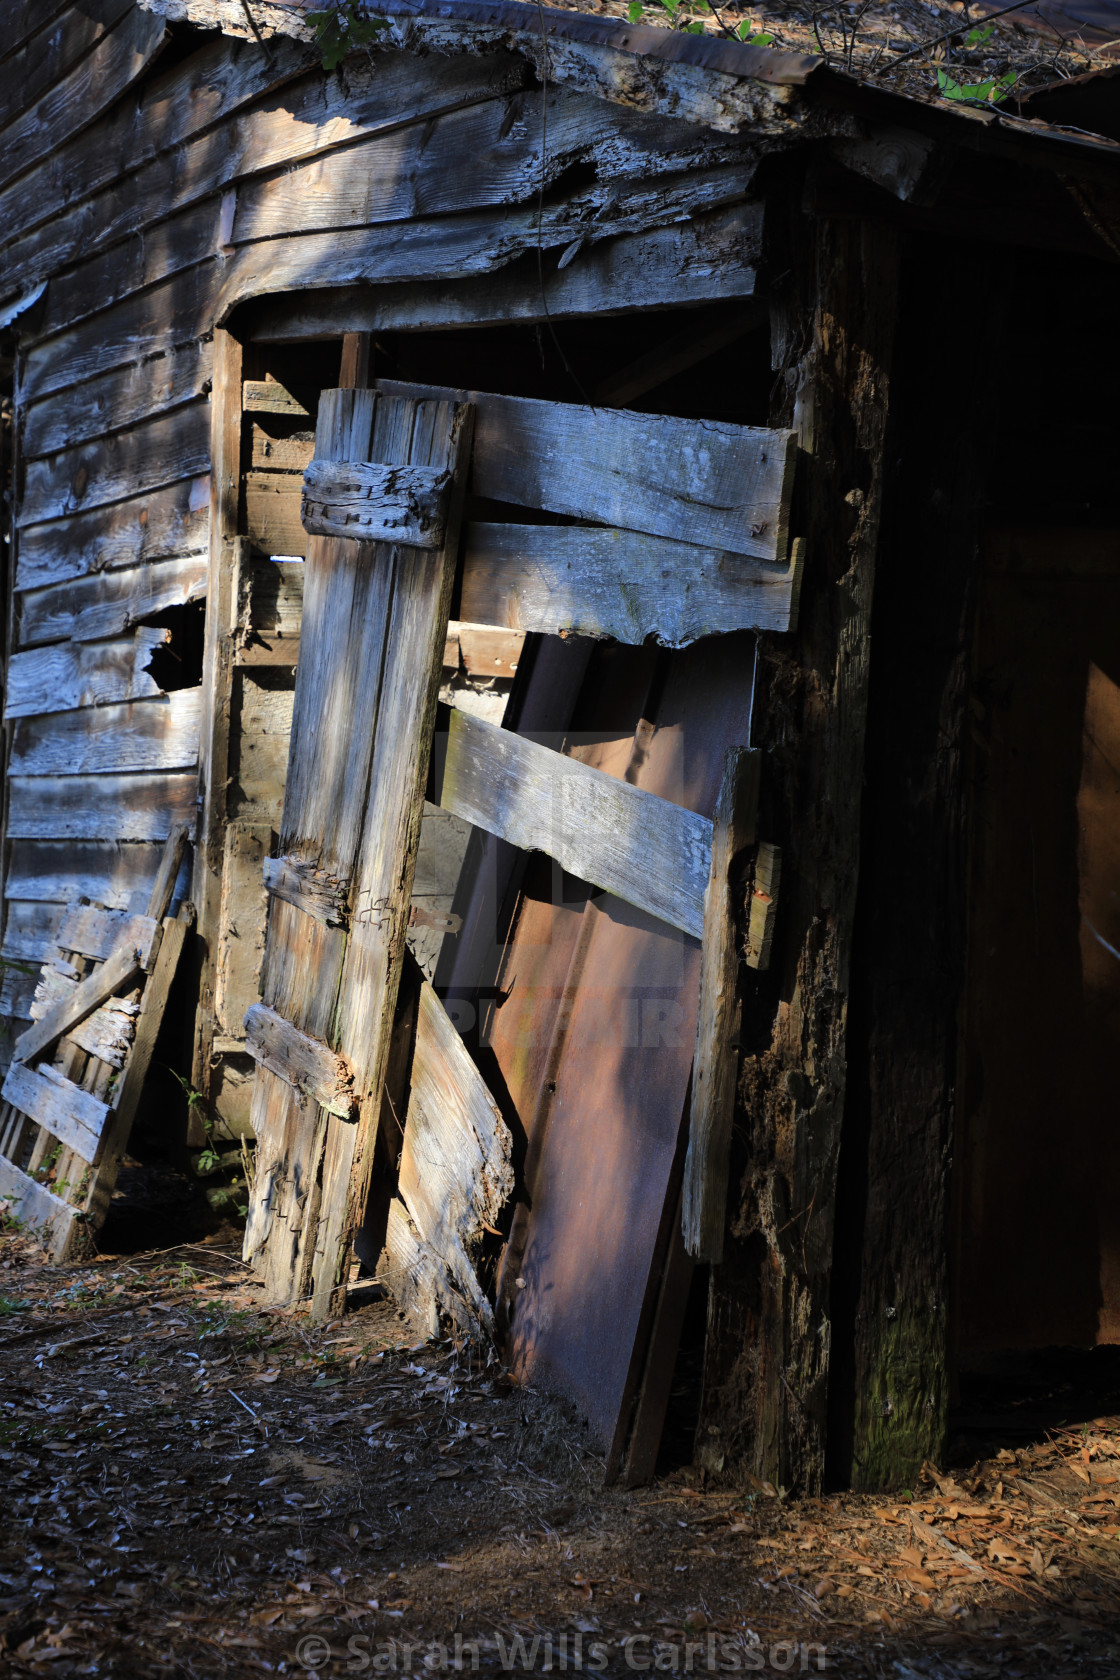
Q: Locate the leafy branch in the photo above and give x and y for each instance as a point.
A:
(343, 29)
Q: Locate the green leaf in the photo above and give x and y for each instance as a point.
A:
(634, 11)
(976, 37)
(694, 29)
(761, 40)
(977, 93)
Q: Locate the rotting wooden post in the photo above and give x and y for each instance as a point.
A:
(767, 1366)
(222, 597)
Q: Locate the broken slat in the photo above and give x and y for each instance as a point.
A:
(70, 675)
(268, 396)
(94, 932)
(108, 1032)
(34, 1205)
(565, 579)
(307, 1064)
(728, 486)
(717, 1030)
(118, 971)
(310, 889)
(644, 849)
(92, 609)
(163, 887)
(63, 1109)
(455, 1172)
(376, 503)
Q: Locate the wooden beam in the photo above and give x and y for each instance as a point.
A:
(307, 1064)
(676, 354)
(117, 972)
(354, 368)
(644, 849)
(591, 581)
(715, 1065)
(63, 1109)
(374, 503)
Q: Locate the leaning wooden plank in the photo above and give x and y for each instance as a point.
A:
(705, 259)
(117, 972)
(94, 932)
(374, 503)
(455, 1173)
(118, 399)
(304, 124)
(416, 1275)
(726, 486)
(170, 863)
(63, 1109)
(159, 734)
(116, 875)
(309, 888)
(306, 1063)
(644, 849)
(568, 579)
(714, 1067)
(90, 609)
(139, 807)
(70, 675)
(136, 532)
(34, 1205)
(30, 929)
(154, 452)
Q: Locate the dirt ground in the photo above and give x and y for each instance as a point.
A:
(196, 1486)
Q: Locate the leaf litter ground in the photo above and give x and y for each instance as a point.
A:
(196, 1486)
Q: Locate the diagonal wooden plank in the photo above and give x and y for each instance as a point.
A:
(62, 1108)
(117, 972)
(646, 850)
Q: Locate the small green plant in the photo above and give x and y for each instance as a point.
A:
(977, 93)
(680, 15)
(752, 37)
(982, 32)
(8, 1306)
(341, 29)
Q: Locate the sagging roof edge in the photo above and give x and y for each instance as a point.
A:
(998, 130)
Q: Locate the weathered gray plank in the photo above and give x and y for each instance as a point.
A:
(118, 399)
(144, 529)
(715, 1064)
(159, 734)
(310, 889)
(138, 807)
(94, 932)
(116, 875)
(307, 121)
(152, 453)
(709, 257)
(70, 675)
(43, 61)
(307, 1064)
(63, 1109)
(242, 915)
(373, 503)
(115, 974)
(170, 863)
(17, 988)
(30, 927)
(268, 396)
(601, 582)
(35, 1206)
(88, 609)
(705, 482)
(260, 734)
(644, 849)
(76, 99)
(455, 1170)
(108, 1032)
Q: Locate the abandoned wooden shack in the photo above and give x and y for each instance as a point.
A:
(653, 895)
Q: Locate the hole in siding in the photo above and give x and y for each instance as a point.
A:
(177, 663)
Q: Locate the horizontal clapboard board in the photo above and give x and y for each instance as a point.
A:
(645, 850)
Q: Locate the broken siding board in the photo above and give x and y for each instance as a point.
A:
(77, 98)
(116, 400)
(138, 807)
(108, 1032)
(144, 529)
(312, 118)
(563, 579)
(709, 258)
(63, 1109)
(118, 876)
(153, 453)
(36, 1206)
(115, 974)
(716, 1062)
(646, 850)
(455, 1174)
(89, 609)
(728, 486)
(473, 242)
(29, 929)
(307, 1064)
(70, 675)
(157, 734)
